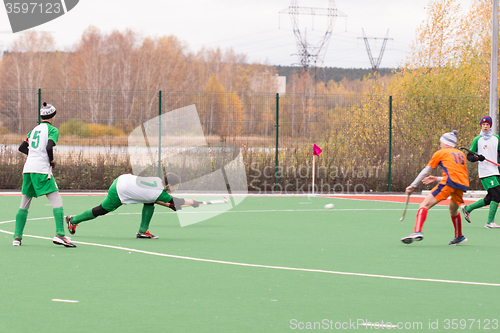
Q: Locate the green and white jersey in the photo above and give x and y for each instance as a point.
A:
(489, 149)
(134, 189)
(38, 159)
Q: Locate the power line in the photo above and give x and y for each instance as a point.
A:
(375, 62)
(312, 53)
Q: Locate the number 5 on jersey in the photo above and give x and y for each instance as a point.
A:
(36, 137)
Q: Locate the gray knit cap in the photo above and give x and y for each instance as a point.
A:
(449, 138)
(47, 111)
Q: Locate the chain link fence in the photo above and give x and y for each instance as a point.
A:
(370, 142)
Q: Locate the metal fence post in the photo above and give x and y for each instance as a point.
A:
(39, 105)
(390, 145)
(277, 137)
(159, 134)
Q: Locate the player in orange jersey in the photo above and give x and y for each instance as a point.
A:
(454, 183)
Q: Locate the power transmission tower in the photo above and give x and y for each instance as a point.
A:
(312, 53)
(375, 61)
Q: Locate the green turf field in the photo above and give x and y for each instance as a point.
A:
(271, 264)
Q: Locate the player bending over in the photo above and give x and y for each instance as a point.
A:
(37, 175)
(454, 183)
(130, 189)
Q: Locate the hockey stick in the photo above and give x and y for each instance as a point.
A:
(212, 202)
(476, 154)
(406, 206)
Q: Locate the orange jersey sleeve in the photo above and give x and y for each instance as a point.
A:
(452, 162)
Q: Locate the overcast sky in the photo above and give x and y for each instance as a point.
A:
(254, 28)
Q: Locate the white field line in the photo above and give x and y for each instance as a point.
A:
(268, 266)
(274, 211)
(249, 211)
(64, 300)
(396, 202)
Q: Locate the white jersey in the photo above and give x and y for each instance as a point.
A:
(134, 189)
(38, 159)
(489, 149)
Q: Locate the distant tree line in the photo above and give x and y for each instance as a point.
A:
(337, 74)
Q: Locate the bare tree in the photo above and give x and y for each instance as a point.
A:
(91, 69)
(24, 69)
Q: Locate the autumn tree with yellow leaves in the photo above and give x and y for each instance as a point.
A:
(444, 83)
(221, 113)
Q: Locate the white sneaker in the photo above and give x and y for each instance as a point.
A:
(16, 242)
(492, 225)
(66, 241)
(414, 237)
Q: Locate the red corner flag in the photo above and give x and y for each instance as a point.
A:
(316, 150)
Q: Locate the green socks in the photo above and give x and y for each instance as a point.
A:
(493, 211)
(85, 216)
(478, 204)
(147, 214)
(59, 218)
(21, 217)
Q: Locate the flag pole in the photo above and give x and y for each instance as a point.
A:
(314, 158)
(316, 151)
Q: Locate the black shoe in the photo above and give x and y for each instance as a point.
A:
(459, 240)
(71, 226)
(466, 213)
(147, 234)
